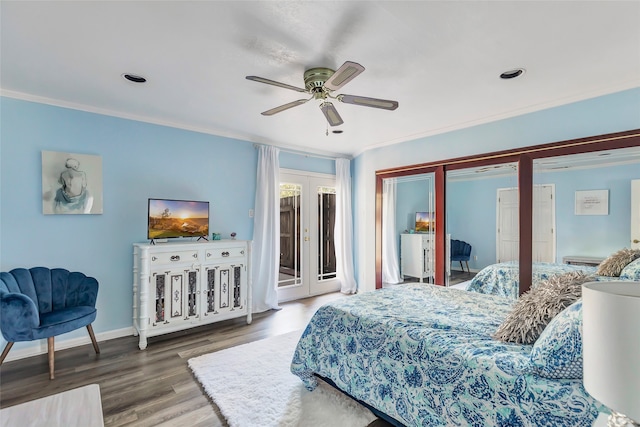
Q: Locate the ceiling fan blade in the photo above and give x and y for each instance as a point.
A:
(385, 104)
(284, 107)
(343, 75)
(275, 83)
(331, 114)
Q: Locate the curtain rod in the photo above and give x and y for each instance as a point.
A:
(303, 153)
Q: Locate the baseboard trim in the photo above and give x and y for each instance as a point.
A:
(471, 270)
(40, 346)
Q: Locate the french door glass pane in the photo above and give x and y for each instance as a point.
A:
(290, 266)
(326, 222)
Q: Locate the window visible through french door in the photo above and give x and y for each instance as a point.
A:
(307, 251)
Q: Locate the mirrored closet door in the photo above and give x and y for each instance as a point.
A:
(408, 226)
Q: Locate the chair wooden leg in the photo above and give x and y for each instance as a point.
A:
(5, 351)
(461, 267)
(467, 262)
(93, 339)
(50, 345)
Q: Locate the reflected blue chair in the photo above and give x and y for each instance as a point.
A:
(461, 251)
(41, 303)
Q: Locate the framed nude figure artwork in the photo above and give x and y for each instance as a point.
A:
(71, 183)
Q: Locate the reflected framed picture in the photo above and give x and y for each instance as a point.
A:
(592, 202)
(425, 222)
(71, 183)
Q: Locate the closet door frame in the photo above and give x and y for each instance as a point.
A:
(524, 158)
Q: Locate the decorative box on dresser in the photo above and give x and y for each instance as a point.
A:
(178, 286)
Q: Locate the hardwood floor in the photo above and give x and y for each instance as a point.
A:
(456, 277)
(152, 387)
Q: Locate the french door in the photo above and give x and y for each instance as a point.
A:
(508, 237)
(307, 251)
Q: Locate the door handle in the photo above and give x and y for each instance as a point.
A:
(636, 241)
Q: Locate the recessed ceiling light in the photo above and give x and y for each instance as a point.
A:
(134, 78)
(512, 74)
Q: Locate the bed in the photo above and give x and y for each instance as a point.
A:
(502, 279)
(422, 355)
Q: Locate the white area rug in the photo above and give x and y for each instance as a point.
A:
(253, 386)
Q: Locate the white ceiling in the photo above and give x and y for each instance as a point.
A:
(440, 59)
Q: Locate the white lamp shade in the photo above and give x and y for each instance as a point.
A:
(611, 344)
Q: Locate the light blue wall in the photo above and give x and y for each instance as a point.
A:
(139, 161)
(606, 114)
(142, 160)
(411, 197)
(590, 235)
(309, 163)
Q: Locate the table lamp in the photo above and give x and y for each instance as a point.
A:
(611, 348)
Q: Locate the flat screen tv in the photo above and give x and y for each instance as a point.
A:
(177, 218)
(425, 222)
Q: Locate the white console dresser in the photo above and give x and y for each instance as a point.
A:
(178, 286)
(417, 256)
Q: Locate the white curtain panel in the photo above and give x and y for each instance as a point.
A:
(343, 230)
(390, 268)
(266, 231)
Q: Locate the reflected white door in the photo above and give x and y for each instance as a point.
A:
(635, 214)
(307, 253)
(508, 238)
(544, 214)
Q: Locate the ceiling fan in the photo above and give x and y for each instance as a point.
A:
(320, 83)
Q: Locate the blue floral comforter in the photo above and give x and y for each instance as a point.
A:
(503, 278)
(423, 355)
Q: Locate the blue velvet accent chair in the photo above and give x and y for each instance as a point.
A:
(41, 303)
(461, 251)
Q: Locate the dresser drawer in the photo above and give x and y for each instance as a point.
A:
(174, 257)
(225, 253)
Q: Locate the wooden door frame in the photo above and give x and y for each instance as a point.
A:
(524, 157)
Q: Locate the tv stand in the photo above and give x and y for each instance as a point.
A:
(202, 238)
(177, 286)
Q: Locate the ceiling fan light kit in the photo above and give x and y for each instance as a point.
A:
(320, 82)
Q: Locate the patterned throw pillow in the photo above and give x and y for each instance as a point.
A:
(558, 351)
(535, 308)
(613, 265)
(631, 271)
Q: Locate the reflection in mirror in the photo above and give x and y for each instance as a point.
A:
(585, 212)
(482, 222)
(390, 263)
(408, 218)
